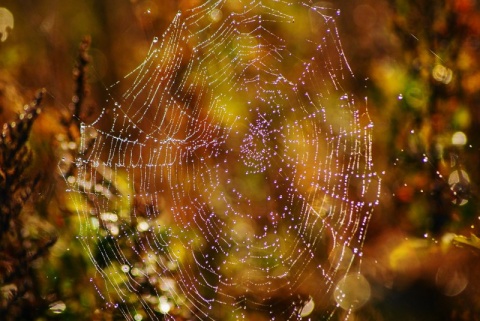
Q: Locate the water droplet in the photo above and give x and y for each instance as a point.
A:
(451, 281)
(163, 305)
(459, 139)
(57, 307)
(459, 182)
(442, 74)
(216, 15)
(307, 308)
(352, 292)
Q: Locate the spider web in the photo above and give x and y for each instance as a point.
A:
(233, 179)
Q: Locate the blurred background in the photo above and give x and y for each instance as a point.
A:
(416, 61)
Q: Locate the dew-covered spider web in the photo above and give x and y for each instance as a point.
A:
(233, 180)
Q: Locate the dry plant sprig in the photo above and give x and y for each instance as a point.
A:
(25, 237)
(80, 77)
(81, 91)
(17, 250)
(15, 157)
(77, 109)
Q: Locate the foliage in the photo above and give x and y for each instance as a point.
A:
(24, 237)
(421, 60)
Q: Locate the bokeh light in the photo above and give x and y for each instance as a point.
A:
(6, 23)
